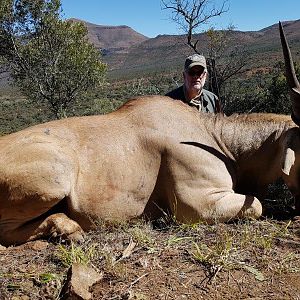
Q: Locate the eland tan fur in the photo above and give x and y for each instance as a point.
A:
(150, 156)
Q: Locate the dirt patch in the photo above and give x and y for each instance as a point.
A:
(249, 260)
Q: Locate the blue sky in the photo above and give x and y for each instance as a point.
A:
(147, 17)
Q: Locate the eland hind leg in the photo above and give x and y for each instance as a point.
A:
(233, 206)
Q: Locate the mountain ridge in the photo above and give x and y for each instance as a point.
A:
(128, 52)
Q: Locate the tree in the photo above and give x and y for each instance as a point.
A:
(278, 100)
(261, 92)
(226, 58)
(191, 14)
(222, 64)
(49, 59)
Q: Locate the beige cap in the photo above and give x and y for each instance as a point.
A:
(194, 60)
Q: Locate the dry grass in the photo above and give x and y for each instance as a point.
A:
(180, 261)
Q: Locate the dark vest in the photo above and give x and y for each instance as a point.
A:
(209, 102)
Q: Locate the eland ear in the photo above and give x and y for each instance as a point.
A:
(288, 161)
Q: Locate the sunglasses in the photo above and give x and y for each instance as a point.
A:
(197, 73)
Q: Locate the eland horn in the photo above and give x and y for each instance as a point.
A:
(291, 77)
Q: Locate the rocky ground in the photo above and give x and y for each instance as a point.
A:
(243, 260)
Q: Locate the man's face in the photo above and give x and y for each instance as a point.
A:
(194, 78)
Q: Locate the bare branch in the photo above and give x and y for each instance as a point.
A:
(191, 14)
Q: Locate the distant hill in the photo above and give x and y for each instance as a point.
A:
(127, 52)
(114, 42)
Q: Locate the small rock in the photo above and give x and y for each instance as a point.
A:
(39, 245)
(144, 262)
(33, 245)
(24, 297)
(79, 279)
